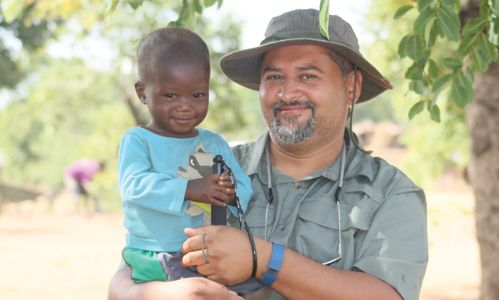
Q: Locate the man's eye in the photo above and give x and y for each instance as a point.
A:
(169, 95)
(273, 77)
(308, 76)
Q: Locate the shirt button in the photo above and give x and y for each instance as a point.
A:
(297, 185)
(282, 228)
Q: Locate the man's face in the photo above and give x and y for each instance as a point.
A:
(303, 94)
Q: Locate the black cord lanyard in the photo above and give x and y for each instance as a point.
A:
(336, 194)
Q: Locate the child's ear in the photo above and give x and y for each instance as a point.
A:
(139, 90)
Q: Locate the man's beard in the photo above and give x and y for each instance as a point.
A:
(292, 132)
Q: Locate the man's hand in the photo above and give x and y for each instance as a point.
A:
(194, 288)
(228, 253)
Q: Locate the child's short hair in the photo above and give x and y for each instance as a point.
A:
(178, 44)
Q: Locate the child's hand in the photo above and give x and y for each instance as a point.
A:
(215, 190)
(227, 183)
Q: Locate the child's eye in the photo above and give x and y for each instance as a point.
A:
(169, 95)
(198, 95)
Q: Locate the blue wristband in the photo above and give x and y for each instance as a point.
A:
(274, 266)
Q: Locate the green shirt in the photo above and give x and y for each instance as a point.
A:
(383, 215)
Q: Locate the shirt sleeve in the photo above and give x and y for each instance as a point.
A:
(143, 187)
(395, 247)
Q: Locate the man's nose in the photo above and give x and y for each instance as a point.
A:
(289, 90)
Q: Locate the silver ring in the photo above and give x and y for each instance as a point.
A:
(203, 249)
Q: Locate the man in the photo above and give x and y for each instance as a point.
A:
(332, 222)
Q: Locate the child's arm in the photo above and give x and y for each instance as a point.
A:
(141, 186)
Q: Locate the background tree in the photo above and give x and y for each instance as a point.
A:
(466, 71)
(79, 99)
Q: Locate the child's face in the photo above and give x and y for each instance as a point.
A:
(177, 98)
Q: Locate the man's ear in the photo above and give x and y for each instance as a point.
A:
(139, 90)
(354, 85)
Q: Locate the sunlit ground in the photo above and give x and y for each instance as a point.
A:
(67, 255)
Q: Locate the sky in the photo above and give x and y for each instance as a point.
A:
(257, 13)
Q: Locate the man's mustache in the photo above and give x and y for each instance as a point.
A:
(296, 103)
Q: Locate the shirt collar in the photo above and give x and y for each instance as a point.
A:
(253, 160)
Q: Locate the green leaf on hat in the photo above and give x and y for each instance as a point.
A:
(324, 18)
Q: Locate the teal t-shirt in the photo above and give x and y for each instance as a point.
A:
(153, 172)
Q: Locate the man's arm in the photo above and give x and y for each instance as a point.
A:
(302, 278)
(299, 277)
(122, 287)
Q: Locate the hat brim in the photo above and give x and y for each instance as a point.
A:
(243, 66)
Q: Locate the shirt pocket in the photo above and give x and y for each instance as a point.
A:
(318, 224)
(255, 217)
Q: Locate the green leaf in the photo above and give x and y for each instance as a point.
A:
(474, 26)
(11, 9)
(111, 7)
(424, 4)
(418, 86)
(466, 44)
(324, 18)
(198, 7)
(135, 3)
(432, 68)
(449, 22)
(414, 72)
(461, 90)
(452, 63)
(495, 7)
(435, 113)
(431, 32)
(483, 54)
(423, 19)
(402, 11)
(416, 109)
(440, 83)
(415, 47)
(494, 31)
(402, 50)
(208, 3)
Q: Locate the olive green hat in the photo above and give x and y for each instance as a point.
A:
(301, 27)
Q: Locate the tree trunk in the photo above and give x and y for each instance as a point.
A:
(482, 117)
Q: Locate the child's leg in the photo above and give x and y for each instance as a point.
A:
(144, 264)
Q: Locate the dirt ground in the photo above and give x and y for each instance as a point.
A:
(63, 255)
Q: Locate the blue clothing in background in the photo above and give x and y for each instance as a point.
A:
(153, 174)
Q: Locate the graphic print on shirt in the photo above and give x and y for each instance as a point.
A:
(199, 166)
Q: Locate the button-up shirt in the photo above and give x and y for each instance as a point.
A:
(383, 215)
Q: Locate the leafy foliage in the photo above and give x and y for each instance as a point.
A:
(72, 107)
(475, 50)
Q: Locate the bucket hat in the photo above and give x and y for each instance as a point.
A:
(301, 27)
